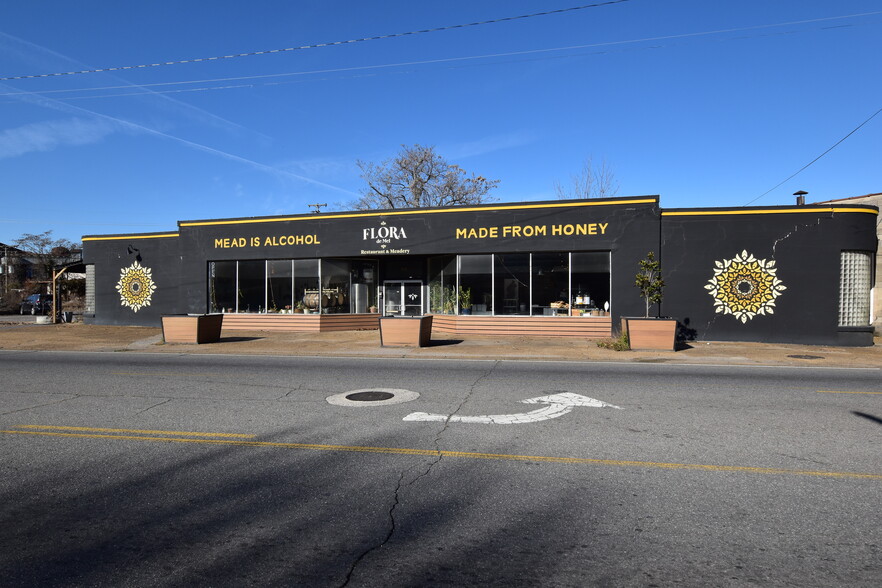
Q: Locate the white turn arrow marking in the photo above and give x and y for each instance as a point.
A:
(558, 405)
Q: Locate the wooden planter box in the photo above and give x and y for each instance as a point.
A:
(194, 328)
(651, 333)
(405, 331)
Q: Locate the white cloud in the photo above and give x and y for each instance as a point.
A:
(489, 145)
(323, 167)
(49, 135)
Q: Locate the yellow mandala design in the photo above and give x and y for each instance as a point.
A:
(745, 286)
(135, 286)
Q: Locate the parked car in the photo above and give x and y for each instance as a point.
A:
(36, 304)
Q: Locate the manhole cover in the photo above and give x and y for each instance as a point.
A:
(370, 396)
(806, 356)
(373, 397)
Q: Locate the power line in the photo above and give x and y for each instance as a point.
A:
(317, 45)
(439, 60)
(803, 168)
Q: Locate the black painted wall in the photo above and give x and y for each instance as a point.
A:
(805, 245)
(627, 227)
(111, 255)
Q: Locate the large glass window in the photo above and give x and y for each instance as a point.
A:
(590, 279)
(551, 282)
(363, 291)
(512, 283)
(476, 284)
(279, 284)
(222, 286)
(252, 286)
(442, 284)
(335, 285)
(306, 284)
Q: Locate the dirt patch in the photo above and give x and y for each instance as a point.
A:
(81, 337)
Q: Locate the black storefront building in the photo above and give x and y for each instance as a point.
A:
(558, 268)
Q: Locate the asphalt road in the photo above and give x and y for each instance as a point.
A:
(135, 469)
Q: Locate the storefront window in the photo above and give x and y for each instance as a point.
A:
(590, 279)
(222, 286)
(306, 284)
(551, 283)
(279, 282)
(476, 284)
(335, 285)
(363, 291)
(442, 284)
(252, 286)
(512, 276)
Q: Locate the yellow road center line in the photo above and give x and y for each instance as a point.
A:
(139, 431)
(167, 375)
(845, 392)
(470, 455)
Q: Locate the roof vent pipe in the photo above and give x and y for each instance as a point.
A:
(800, 197)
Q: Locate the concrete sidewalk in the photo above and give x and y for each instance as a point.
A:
(24, 335)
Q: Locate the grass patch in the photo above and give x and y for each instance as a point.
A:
(620, 343)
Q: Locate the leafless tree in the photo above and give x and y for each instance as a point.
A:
(418, 177)
(46, 252)
(592, 182)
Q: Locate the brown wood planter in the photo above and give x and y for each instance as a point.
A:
(199, 328)
(405, 331)
(651, 333)
(577, 327)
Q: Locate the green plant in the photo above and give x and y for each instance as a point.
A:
(620, 343)
(649, 280)
(465, 297)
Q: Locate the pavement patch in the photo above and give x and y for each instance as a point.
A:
(373, 397)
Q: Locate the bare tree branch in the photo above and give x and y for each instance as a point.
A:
(418, 177)
(591, 182)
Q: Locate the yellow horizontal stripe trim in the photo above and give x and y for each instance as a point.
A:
(471, 455)
(139, 431)
(844, 392)
(416, 211)
(756, 211)
(121, 237)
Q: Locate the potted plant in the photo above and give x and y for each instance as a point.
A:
(465, 300)
(650, 332)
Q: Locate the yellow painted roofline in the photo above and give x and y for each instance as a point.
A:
(130, 237)
(768, 211)
(412, 211)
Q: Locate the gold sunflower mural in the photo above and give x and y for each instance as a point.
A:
(745, 286)
(135, 286)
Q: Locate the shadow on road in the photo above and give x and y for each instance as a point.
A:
(200, 514)
(869, 417)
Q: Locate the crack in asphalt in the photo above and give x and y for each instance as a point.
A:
(385, 540)
(291, 391)
(74, 397)
(166, 401)
(396, 496)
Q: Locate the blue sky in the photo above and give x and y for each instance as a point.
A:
(706, 103)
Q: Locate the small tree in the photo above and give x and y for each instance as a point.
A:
(418, 177)
(649, 280)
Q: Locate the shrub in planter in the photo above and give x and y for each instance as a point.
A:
(650, 332)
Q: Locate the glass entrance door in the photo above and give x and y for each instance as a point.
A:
(403, 298)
